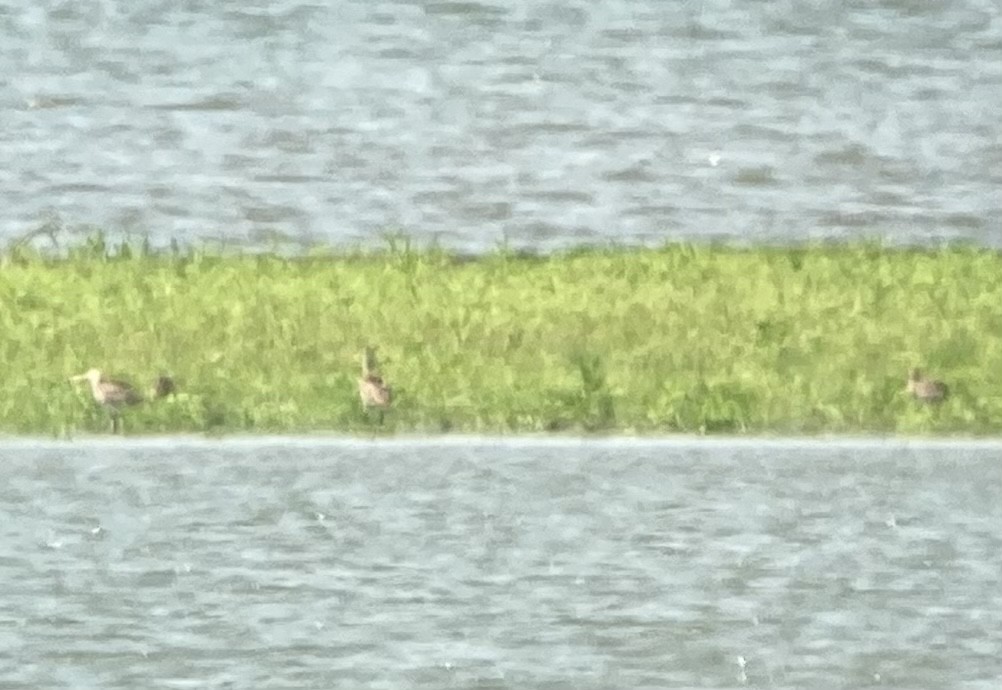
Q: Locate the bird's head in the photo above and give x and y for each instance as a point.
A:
(91, 375)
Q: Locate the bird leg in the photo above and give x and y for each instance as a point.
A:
(370, 413)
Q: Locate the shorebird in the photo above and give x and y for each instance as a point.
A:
(926, 390)
(163, 386)
(111, 395)
(371, 388)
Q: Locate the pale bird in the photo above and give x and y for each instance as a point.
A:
(111, 395)
(375, 394)
(115, 395)
(926, 390)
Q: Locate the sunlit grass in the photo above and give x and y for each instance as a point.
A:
(679, 339)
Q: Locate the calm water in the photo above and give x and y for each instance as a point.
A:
(500, 565)
(546, 123)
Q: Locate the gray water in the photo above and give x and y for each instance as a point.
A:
(500, 564)
(543, 124)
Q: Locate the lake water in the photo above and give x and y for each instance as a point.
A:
(486, 563)
(539, 123)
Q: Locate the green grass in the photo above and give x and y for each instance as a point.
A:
(680, 339)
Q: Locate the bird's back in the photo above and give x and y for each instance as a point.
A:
(373, 392)
(931, 391)
(118, 393)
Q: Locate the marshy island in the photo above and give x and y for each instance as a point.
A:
(678, 339)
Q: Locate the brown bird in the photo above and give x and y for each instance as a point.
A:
(926, 390)
(371, 388)
(163, 386)
(111, 395)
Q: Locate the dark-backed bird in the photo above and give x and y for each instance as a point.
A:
(373, 391)
(926, 390)
(163, 386)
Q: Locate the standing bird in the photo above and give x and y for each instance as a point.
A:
(926, 390)
(111, 395)
(371, 388)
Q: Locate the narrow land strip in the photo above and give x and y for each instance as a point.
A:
(682, 339)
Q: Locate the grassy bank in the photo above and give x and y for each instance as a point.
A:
(680, 339)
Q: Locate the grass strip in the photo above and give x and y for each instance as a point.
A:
(682, 338)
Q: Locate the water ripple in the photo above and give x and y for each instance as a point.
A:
(500, 563)
(771, 120)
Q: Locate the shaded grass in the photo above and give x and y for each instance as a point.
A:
(679, 339)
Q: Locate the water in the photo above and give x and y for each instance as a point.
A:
(500, 564)
(543, 124)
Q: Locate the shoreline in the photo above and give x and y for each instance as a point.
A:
(334, 441)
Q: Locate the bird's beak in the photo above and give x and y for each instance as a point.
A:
(81, 377)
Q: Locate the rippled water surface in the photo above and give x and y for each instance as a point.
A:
(499, 565)
(542, 123)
